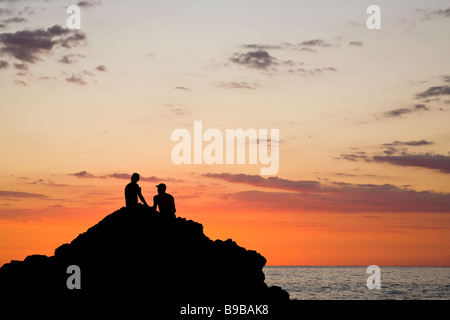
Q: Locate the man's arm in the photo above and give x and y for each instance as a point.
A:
(173, 205)
(155, 202)
(141, 197)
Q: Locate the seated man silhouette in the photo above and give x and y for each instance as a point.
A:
(164, 201)
(132, 192)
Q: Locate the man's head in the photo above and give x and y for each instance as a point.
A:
(135, 177)
(161, 188)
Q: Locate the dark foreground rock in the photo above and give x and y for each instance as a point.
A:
(144, 262)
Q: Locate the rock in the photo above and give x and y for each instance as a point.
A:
(143, 258)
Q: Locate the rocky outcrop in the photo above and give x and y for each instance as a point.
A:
(143, 258)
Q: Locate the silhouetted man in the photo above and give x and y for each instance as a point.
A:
(132, 192)
(164, 201)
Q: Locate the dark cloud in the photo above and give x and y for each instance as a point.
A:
(259, 59)
(356, 43)
(15, 20)
(361, 155)
(101, 68)
(76, 79)
(397, 153)
(4, 64)
(434, 91)
(18, 194)
(409, 143)
(21, 66)
(442, 12)
(427, 160)
(430, 14)
(182, 88)
(262, 46)
(315, 43)
(122, 176)
(307, 49)
(403, 111)
(72, 40)
(83, 174)
(88, 4)
(127, 176)
(28, 45)
(312, 196)
(271, 182)
(311, 71)
(70, 58)
(238, 85)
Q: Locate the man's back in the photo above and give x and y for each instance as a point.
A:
(131, 194)
(165, 202)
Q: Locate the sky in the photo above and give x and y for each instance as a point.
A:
(362, 116)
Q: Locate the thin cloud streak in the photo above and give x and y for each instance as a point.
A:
(313, 196)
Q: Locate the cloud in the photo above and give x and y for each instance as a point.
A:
(20, 82)
(5, 12)
(182, 88)
(70, 58)
(315, 43)
(427, 160)
(18, 194)
(271, 182)
(361, 155)
(88, 4)
(259, 59)
(403, 111)
(392, 148)
(83, 174)
(21, 66)
(123, 176)
(238, 85)
(311, 71)
(15, 20)
(307, 49)
(4, 64)
(28, 45)
(262, 46)
(77, 79)
(101, 68)
(312, 196)
(397, 153)
(46, 183)
(356, 43)
(409, 143)
(430, 14)
(127, 176)
(434, 91)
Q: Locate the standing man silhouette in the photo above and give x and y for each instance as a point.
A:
(132, 192)
(164, 201)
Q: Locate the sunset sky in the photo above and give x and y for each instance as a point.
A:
(363, 117)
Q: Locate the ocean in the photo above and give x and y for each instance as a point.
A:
(350, 283)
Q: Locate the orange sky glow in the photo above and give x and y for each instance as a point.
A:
(362, 115)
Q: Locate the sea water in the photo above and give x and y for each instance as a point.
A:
(350, 283)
